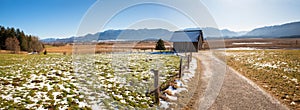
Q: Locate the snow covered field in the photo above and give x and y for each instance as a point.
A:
(110, 81)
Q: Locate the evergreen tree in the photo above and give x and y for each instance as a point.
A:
(160, 45)
(23, 42)
(2, 37)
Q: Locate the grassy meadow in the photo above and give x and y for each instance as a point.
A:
(112, 81)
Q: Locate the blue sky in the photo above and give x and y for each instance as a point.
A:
(61, 18)
(44, 18)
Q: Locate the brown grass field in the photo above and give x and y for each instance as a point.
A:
(149, 46)
(104, 47)
(267, 43)
(10, 52)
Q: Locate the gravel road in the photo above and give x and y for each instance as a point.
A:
(224, 88)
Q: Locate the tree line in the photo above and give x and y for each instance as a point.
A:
(16, 40)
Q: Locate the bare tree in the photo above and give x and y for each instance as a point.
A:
(12, 43)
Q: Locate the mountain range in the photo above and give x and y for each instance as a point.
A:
(289, 29)
(277, 31)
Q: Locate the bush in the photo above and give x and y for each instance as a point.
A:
(45, 52)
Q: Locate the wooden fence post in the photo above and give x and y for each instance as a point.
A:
(191, 56)
(188, 61)
(156, 86)
(180, 67)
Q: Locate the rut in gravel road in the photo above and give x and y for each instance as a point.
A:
(224, 88)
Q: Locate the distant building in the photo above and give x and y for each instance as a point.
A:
(187, 41)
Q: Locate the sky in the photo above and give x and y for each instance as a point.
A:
(44, 18)
(245, 15)
(62, 18)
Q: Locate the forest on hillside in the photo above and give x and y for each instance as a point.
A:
(16, 40)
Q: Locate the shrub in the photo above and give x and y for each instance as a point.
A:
(45, 52)
(160, 45)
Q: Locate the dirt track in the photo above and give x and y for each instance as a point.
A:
(230, 90)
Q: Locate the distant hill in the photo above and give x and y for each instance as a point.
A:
(140, 34)
(210, 32)
(48, 40)
(128, 34)
(289, 29)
